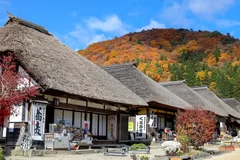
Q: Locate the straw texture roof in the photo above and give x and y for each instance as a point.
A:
(232, 102)
(55, 66)
(186, 93)
(210, 96)
(144, 86)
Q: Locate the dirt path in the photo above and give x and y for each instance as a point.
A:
(235, 155)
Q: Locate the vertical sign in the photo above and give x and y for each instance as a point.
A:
(141, 127)
(112, 127)
(153, 119)
(38, 118)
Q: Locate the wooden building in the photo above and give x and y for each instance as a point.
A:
(70, 87)
(213, 98)
(232, 102)
(162, 102)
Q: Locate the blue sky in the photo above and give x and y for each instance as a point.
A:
(79, 23)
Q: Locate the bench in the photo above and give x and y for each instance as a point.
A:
(115, 151)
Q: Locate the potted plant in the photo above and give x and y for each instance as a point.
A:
(226, 147)
(143, 157)
(172, 149)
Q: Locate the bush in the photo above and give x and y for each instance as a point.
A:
(1, 154)
(171, 147)
(138, 146)
(198, 125)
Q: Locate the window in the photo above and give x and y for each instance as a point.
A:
(161, 123)
(102, 125)
(58, 115)
(78, 119)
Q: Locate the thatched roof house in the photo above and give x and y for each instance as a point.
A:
(56, 67)
(186, 93)
(232, 102)
(144, 86)
(210, 96)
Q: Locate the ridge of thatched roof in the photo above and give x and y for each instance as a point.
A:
(232, 102)
(210, 96)
(144, 86)
(55, 66)
(189, 95)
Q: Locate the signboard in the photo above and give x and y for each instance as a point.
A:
(86, 126)
(38, 119)
(130, 126)
(141, 127)
(153, 120)
(112, 127)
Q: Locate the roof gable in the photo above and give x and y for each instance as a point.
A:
(210, 96)
(55, 66)
(186, 93)
(144, 86)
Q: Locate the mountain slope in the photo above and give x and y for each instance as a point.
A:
(200, 57)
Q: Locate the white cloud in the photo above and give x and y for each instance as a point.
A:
(97, 38)
(108, 24)
(176, 15)
(224, 23)
(151, 25)
(93, 30)
(207, 8)
(193, 13)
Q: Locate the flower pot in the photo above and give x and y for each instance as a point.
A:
(226, 148)
(236, 146)
(175, 158)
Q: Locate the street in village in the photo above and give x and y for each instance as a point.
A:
(157, 153)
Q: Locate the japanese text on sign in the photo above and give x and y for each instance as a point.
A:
(141, 129)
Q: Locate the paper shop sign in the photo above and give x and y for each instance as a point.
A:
(153, 120)
(141, 127)
(38, 118)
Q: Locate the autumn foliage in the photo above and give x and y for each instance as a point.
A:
(14, 88)
(196, 125)
(200, 57)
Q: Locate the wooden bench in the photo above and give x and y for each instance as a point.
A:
(115, 151)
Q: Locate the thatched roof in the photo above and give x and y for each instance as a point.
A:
(186, 93)
(210, 96)
(232, 102)
(55, 66)
(144, 86)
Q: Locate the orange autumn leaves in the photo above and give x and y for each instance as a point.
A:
(156, 49)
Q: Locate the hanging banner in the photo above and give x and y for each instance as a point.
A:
(38, 119)
(112, 127)
(141, 127)
(153, 120)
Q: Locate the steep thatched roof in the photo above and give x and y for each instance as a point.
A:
(55, 66)
(232, 102)
(144, 86)
(186, 93)
(210, 96)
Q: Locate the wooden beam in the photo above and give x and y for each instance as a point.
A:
(83, 108)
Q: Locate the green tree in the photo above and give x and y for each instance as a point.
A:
(206, 78)
(130, 39)
(139, 41)
(159, 68)
(236, 85)
(190, 74)
(217, 53)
